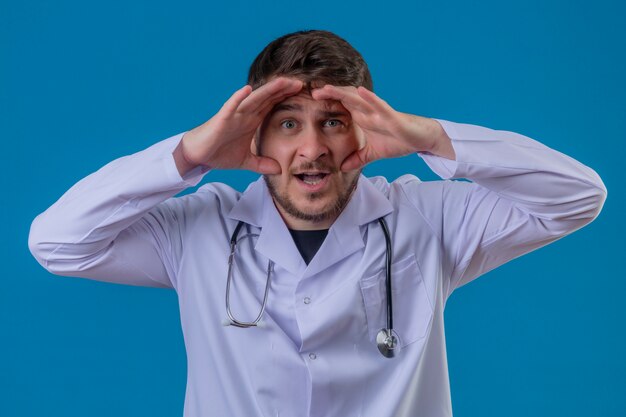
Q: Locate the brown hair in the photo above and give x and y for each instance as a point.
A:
(312, 56)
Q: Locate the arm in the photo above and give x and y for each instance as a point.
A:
(523, 194)
(120, 223)
(115, 224)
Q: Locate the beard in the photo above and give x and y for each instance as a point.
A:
(331, 211)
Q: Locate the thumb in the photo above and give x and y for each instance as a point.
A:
(354, 161)
(262, 165)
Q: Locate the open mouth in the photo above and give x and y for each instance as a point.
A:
(312, 178)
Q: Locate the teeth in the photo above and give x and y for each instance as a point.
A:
(312, 179)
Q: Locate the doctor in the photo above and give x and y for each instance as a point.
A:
(284, 289)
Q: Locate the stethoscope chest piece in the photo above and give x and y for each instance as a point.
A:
(388, 342)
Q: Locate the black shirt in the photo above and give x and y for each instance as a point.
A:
(308, 242)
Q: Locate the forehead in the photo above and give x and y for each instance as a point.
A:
(304, 103)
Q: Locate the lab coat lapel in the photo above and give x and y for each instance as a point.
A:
(344, 237)
(257, 208)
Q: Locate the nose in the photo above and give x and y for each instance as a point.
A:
(312, 145)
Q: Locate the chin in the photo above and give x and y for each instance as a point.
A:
(323, 213)
(311, 207)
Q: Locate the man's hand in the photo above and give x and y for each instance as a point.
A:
(386, 132)
(224, 141)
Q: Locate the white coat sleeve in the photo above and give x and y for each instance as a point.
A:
(120, 223)
(522, 196)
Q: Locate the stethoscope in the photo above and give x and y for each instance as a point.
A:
(386, 339)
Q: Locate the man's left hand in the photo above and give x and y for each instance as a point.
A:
(386, 133)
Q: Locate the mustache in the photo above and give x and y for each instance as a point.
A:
(315, 166)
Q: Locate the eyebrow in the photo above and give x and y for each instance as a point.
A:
(298, 108)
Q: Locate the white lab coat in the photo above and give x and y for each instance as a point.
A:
(316, 354)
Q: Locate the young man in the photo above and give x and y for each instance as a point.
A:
(307, 248)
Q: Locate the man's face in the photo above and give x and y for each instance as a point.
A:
(309, 139)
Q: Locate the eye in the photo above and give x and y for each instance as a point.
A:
(288, 124)
(333, 123)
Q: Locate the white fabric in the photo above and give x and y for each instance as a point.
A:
(121, 224)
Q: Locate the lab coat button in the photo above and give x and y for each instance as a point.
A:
(307, 300)
(313, 356)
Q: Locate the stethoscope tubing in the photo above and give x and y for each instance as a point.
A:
(231, 258)
(388, 257)
(387, 340)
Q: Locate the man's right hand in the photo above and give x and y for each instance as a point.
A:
(224, 141)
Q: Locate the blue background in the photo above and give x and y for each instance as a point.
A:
(83, 83)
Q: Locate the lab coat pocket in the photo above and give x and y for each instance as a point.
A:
(412, 309)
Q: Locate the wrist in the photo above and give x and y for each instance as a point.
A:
(182, 163)
(441, 143)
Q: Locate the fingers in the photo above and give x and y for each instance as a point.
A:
(235, 100)
(371, 98)
(354, 98)
(270, 93)
(261, 100)
(348, 96)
